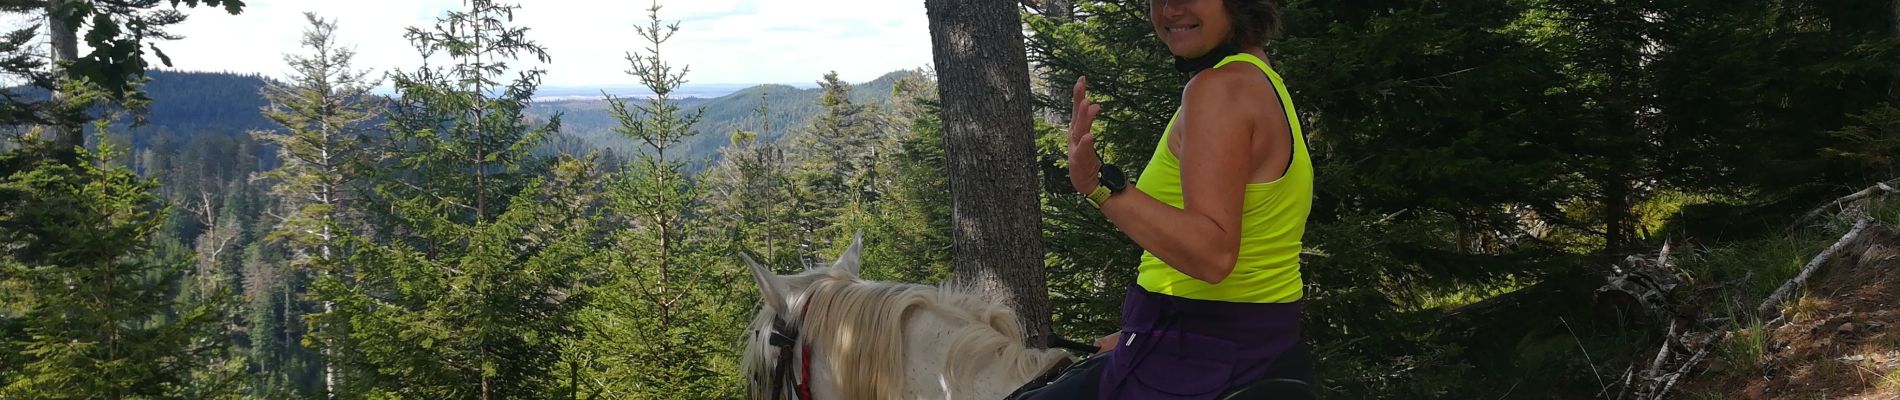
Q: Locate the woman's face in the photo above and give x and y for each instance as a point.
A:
(1190, 28)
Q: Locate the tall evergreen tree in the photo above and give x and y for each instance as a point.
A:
(89, 313)
(907, 235)
(471, 288)
(665, 288)
(834, 169)
(323, 110)
(749, 193)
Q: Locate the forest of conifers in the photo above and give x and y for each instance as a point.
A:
(1484, 167)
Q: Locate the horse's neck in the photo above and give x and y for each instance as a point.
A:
(945, 355)
(932, 372)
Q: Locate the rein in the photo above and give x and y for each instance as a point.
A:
(785, 338)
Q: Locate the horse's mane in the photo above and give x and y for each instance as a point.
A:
(859, 325)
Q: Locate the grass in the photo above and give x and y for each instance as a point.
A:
(1887, 211)
(1461, 298)
(1804, 307)
(1748, 270)
(1743, 351)
(1889, 381)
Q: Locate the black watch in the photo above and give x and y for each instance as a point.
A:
(1111, 177)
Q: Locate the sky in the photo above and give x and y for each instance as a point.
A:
(722, 41)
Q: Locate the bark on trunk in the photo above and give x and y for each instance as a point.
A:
(1616, 220)
(983, 79)
(64, 45)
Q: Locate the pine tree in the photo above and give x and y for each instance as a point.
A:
(834, 173)
(323, 110)
(747, 193)
(472, 287)
(89, 312)
(907, 236)
(666, 289)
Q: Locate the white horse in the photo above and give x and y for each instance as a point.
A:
(879, 340)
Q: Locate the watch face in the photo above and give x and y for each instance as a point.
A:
(1112, 177)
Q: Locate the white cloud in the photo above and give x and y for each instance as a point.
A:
(723, 41)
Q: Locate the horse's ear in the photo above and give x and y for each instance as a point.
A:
(848, 261)
(771, 289)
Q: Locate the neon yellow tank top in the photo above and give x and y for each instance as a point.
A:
(1273, 221)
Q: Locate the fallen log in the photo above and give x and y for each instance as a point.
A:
(1642, 283)
(1697, 359)
(1882, 188)
(1655, 366)
(1781, 294)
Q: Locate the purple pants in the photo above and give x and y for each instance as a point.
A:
(1179, 348)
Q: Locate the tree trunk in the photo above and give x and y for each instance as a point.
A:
(329, 346)
(64, 42)
(983, 79)
(1616, 215)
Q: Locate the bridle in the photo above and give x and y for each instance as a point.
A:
(785, 337)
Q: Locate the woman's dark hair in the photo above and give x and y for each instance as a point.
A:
(1255, 21)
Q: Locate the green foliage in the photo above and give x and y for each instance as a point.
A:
(118, 31)
(322, 113)
(833, 171)
(1479, 161)
(458, 125)
(486, 321)
(748, 194)
(666, 293)
(1871, 140)
(472, 290)
(1468, 149)
(89, 312)
(907, 235)
(20, 58)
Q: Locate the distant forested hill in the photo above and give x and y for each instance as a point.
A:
(206, 102)
(191, 104)
(788, 109)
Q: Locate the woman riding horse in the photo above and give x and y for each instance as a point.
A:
(1220, 210)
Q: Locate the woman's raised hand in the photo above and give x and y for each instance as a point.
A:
(1084, 164)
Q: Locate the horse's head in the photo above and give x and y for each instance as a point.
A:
(784, 299)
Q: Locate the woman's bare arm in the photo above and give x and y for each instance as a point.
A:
(1201, 240)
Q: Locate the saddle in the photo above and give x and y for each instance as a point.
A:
(1290, 377)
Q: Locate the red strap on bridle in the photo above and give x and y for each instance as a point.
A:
(803, 384)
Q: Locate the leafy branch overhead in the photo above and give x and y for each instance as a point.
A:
(119, 31)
